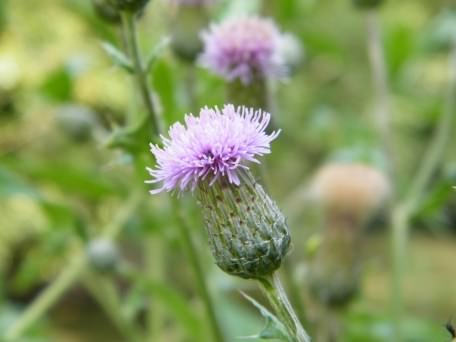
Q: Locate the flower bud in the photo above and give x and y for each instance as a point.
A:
(186, 28)
(106, 11)
(367, 4)
(247, 233)
(103, 255)
(129, 5)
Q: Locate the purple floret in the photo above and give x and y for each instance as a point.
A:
(238, 48)
(215, 144)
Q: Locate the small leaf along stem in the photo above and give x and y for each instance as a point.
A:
(140, 71)
(275, 293)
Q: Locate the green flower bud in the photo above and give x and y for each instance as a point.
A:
(77, 122)
(366, 4)
(129, 5)
(186, 27)
(106, 11)
(247, 232)
(103, 255)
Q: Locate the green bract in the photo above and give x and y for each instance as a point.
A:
(247, 233)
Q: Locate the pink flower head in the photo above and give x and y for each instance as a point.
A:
(238, 48)
(215, 144)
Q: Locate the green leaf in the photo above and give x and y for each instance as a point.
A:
(273, 329)
(118, 57)
(156, 52)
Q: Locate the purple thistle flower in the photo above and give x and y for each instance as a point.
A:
(239, 48)
(215, 144)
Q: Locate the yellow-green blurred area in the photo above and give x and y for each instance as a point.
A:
(67, 167)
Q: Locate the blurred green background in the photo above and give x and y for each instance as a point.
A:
(63, 176)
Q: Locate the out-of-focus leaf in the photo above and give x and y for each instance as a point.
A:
(59, 85)
(400, 44)
(177, 306)
(118, 57)
(165, 85)
(273, 329)
(11, 184)
(156, 52)
(69, 177)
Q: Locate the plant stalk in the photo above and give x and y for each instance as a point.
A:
(197, 267)
(275, 293)
(382, 113)
(129, 27)
(67, 277)
(404, 211)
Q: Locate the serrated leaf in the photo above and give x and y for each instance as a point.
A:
(156, 52)
(273, 328)
(118, 57)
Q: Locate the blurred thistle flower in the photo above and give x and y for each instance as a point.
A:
(352, 190)
(106, 11)
(242, 48)
(103, 254)
(367, 4)
(209, 155)
(349, 194)
(129, 5)
(292, 52)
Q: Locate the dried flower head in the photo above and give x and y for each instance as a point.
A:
(240, 48)
(216, 144)
(352, 189)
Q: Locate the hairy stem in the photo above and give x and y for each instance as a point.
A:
(275, 293)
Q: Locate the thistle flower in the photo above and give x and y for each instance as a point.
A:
(242, 49)
(353, 190)
(210, 155)
(349, 195)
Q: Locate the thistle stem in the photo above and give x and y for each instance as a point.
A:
(380, 80)
(403, 213)
(197, 267)
(67, 277)
(129, 27)
(275, 293)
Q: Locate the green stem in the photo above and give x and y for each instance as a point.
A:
(404, 211)
(129, 27)
(67, 277)
(294, 291)
(380, 81)
(197, 267)
(104, 291)
(273, 289)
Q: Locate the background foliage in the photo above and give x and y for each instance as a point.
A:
(63, 177)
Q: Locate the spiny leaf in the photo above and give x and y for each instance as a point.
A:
(118, 57)
(156, 52)
(273, 328)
